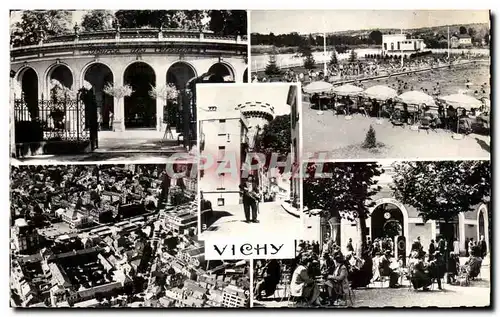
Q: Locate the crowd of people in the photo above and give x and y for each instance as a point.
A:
(325, 276)
(361, 69)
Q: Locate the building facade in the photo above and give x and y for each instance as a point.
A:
(141, 58)
(233, 297)
(223, 137)
(25, 236)
(461, 40)
(399, 43)
(403, 220)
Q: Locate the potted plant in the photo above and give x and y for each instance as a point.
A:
(119, 92)
(167, 93)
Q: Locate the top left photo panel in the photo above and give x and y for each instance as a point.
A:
(116, 85)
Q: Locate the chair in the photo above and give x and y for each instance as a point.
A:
(425, 124)
(396, 119)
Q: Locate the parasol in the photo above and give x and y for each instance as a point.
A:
(380, 92)
(347, 90)
(415, 98)
(318, 87)
(461, 101)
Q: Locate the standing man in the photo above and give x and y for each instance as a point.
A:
(251, 199)
(349, 246)
(483, 247)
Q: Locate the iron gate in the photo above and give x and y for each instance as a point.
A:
(70, 120)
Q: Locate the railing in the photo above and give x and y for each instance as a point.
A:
(65, 120)
(133, 34)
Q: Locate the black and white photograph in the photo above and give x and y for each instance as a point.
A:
(410, 233)
(249, 151)
(115, 85)
(382, 83)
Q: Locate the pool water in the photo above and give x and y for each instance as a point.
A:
(451, 80)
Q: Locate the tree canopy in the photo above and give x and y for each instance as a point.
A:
(275, 137)
(36, 25)
(463, 30)
(272, 68)
(376, 37)
(97, 20)
(345, 189)
(441, 190)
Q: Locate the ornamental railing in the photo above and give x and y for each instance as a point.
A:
(65, 120)
(124, 35)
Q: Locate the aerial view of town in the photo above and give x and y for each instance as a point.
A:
(114, 236)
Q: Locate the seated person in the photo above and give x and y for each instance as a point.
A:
(337, 283)
(302, 285)
(270, 277)
(385, 269)
(327, 265)
(362, 275)
(452, 268)
(473, 266)
(420, 274)
(437, 268)
(464, 122)
(397, 117)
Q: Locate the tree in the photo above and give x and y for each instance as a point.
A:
(376, 37)
(345, 189)
(370, 139)
(272, 68)
(183, 19)
(36, 25)
(275, 137)
(309, 62)
(333, 59)
(472, 32)
(228, 22)
(97, 20)
(463, 30)
(441, 190)
(487, 38)
(353, 57)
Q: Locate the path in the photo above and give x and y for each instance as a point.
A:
(273, 221)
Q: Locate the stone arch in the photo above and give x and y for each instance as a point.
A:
(245, 76)
(224, 70)
(68, 82)
(483, 210)
(140, 107)
(28, 84)
(400, 206)
(89, 65)
(180, 80)
(99, 74)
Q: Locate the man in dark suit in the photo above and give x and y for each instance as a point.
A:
(416, 246)
(483, 247)
(250, 194)
(386, 270)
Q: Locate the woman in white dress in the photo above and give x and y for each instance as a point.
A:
(302, 285)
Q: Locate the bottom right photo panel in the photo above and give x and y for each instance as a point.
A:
(387, 234)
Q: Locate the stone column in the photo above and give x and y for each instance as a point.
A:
(159, 112)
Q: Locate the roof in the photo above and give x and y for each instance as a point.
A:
(464, 36)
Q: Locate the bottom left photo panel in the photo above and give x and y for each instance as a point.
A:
(95, 236)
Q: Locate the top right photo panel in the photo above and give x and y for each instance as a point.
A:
(382, 84)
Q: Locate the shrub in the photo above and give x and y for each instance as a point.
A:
(370, 139)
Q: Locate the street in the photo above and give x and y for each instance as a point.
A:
(273, 221)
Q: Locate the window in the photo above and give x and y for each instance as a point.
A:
(221, 153)
(221, 181)
(385, 46)
(399, 46)
(222, 126)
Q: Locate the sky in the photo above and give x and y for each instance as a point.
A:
(313, 21)
(229, 96)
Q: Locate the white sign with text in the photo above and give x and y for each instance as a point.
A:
(246, 249)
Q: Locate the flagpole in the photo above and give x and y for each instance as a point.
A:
(448, 43)
(324, 52)
(401, 51)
